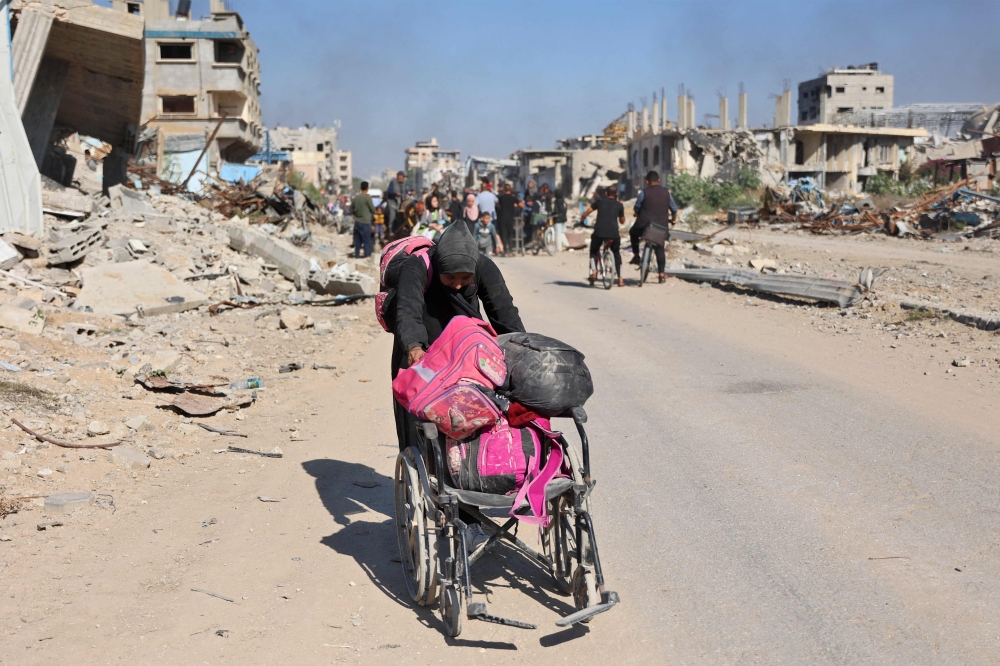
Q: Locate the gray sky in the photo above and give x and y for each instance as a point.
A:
(488, 77)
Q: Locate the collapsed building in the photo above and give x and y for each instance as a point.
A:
(77, 68)
(576, 167)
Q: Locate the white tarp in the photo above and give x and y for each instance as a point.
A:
(20, 182)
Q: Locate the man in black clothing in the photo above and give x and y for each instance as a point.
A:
(507, 207)
(655, 205)
(394, 195)
(454, 206)
(610, 216)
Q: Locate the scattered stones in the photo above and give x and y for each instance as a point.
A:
(136, 422)
(294, 320)
(963, 362)
(129, 458)
(95, 428)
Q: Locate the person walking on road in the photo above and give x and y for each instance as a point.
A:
(486, 200)
(654, 205)
(507, 207)
(394, 196)
(363, 210)
(470, 214)
(610, 217)
(454, 206)
(559, 213)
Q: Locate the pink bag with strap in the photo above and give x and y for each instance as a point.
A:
(391, 262)
(442, 386)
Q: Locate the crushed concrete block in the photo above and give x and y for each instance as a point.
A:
(291, 262)
(761, 264)
(66, 201)
(63, 503)
(9, 257)
(129, 458)
(330, 284)
(294, 320)
(19, 319)
(75, 246)
(129, 202)
(120, 255)
(136, 286)
(26, 244)
(136, 422)
(136, 246)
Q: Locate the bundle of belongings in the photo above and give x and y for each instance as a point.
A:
(492, 398)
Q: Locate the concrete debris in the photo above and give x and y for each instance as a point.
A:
(292, 263)
(135, 287)
(982, 321)
(67, 201)
(21, 319)
(294, 320)
(74, 247)
(824, 290)
(9, 257)
(129, 458)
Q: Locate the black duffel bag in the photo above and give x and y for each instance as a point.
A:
(545, 375)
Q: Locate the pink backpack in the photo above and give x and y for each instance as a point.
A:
(507, 460)
(391, 262)
(442, 386)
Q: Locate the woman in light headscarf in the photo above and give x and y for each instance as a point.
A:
(435, 218)
(471, 212)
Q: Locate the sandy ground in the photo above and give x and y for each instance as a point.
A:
(770, 449)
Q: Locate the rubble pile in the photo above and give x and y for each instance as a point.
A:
(954, 212)
(141, 327)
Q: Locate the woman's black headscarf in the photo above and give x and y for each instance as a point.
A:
(457, 251)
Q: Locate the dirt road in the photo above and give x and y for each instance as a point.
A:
(767, 493)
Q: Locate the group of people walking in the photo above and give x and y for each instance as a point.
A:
(492, 217)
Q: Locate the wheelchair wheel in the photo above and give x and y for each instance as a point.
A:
(647, 259)
(416, 531)
(550, 241)
(585, 592)
(452, 609)
(559, 543)
(608, 272)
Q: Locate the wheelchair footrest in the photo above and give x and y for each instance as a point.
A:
(608, 601)
(477, 611)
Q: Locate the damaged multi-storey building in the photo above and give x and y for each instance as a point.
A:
(313, 152)
(201, 97)
(78, 68)
(836, 157)
(575, 167)
(427, 164)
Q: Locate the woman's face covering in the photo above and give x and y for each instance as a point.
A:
(456, 281)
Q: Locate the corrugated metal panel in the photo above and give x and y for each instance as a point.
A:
(191, 34)
(20, 183)
(841, 292)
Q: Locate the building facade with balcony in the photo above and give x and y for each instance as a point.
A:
(202, 79)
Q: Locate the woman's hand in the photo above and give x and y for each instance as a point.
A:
(416, 354)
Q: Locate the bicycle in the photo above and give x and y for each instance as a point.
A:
(605, 266)
(546, 239)
(655, 236)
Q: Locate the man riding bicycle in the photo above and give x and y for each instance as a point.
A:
(609, 211)
(654, 205)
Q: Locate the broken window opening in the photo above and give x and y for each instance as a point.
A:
(177, 104)
(176, 51)
(645, 157)
(879, 89)
(840, 89)
(800, 153)
(134, 8)
(230, 52)
(319, 147)
(656, 155)
(829, 91)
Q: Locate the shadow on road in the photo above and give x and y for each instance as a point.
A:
(572, 283)
(351, 490)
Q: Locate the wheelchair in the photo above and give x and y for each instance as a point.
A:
(436, 564)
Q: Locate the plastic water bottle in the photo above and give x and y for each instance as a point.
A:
(252, 383)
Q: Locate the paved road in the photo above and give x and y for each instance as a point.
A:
(752, 509)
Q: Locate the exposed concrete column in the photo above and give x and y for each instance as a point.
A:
(724, 113)
(29, 46)
(741, 113)
(681, 112)
(115, 168)
(645, 119)
(656, 118)
(39, 114)
(692, 118)
(786, 108)
(663, 110)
